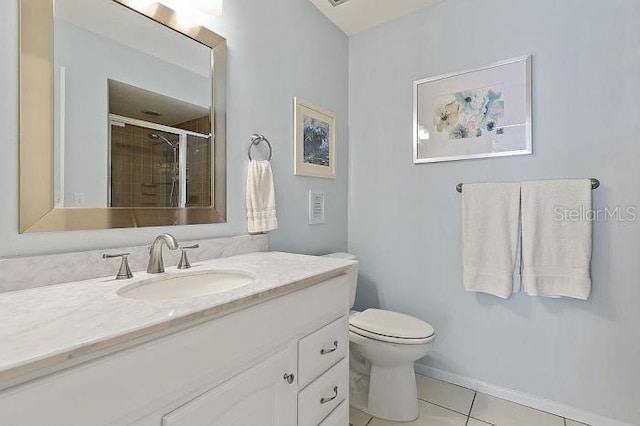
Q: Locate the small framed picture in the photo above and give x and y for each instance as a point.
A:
(315, 140)
(477, 113)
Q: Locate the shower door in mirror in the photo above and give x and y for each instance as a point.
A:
(156, 166)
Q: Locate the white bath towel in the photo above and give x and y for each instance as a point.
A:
(556, 238)
(261, 200)
(491, 231)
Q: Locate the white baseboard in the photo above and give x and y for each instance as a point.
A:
(519, 397)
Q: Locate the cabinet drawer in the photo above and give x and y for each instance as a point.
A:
(322, 349)
(339, 416)
(322, 396)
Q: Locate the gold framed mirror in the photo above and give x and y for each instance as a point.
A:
(176, 175)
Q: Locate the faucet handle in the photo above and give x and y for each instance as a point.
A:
(184, 261)
(124, 273)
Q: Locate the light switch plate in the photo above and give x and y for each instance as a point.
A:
(316, 207)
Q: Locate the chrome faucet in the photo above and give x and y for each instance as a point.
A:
(156, 264)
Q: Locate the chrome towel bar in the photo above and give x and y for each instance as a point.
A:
(595, 183)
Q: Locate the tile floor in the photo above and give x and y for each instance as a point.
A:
(445, 404)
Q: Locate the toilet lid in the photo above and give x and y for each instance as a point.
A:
(391, 324)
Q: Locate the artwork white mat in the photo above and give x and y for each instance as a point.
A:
(305, 112)
(478, 113)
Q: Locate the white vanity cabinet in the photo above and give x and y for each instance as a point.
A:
(281, 362)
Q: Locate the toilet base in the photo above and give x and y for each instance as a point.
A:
(392, 393)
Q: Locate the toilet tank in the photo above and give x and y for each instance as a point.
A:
(352, 275)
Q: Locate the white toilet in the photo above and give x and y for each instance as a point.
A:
(384, 346)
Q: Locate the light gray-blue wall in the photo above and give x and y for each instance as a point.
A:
(277, 50)
(404, 219)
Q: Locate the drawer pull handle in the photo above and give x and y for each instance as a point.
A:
(289, 378)
(324, 400)
(328, 351)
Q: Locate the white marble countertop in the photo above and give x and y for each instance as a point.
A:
(48, 326)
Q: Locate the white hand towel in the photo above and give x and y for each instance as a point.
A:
(261, 200)
(556, 238)
(491, 231)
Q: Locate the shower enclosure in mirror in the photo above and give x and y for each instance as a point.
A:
(158, 168)
(136, 135)
(158, 157)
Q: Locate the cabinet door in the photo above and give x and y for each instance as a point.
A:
(258, 396)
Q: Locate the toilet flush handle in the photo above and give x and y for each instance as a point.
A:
(328, 351)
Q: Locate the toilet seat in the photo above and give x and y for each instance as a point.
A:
(391, 327)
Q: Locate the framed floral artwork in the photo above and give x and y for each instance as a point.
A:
(315, 140)
(477, 113)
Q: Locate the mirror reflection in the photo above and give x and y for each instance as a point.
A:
(132, 111)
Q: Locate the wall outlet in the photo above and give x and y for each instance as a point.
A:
(316, 207)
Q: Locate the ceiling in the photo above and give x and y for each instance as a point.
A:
(354, 16)
(130, 101)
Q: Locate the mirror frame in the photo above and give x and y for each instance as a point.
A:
(37, 212)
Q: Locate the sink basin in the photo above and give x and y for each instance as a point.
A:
(182, 286)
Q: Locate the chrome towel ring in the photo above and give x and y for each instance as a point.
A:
(255, 140)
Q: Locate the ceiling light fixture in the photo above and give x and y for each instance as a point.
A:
(142, 5)
(208, 7)
(190, 13)
(193, 13)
